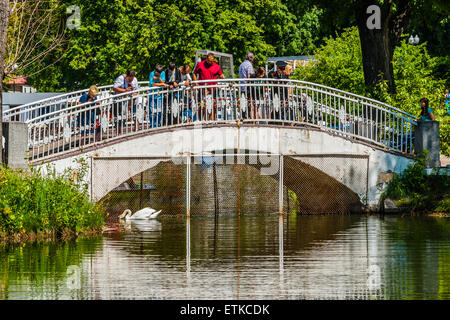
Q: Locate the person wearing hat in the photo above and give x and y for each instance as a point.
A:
(91, 95)
(280, 73)
(88, 117)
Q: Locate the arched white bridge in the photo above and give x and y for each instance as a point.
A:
(286, 118)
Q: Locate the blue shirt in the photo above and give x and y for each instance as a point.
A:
(245, 71)
(85, 97)
(152, 81)
(427, 117)
(447, 103)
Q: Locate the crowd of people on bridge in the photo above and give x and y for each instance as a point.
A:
(173, 77)
(208, 71)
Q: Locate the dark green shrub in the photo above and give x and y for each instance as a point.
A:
(51, 203)
(419, 191)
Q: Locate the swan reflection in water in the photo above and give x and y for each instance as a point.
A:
(140, 225)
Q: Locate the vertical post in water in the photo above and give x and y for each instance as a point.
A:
(280, 194)
(188, 246)
(216, 203)
(281, 251)
(216, 199)
(91, 184)
(188, 186)
(142, 190)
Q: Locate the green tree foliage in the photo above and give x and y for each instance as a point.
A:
(120, 34)
(431, 22)
(415, 78)
(117, 35)
(427, 18)
(339, 65)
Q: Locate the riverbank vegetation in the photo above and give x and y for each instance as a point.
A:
(38, 206)
(416, 191)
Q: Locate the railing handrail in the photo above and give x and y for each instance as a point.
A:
(271, 80)
(57, 99)
(66, 124)
(161, 91)
(91, 105)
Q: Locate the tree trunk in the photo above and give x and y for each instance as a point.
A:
(4, 18)
(377, 53)
(377, 45)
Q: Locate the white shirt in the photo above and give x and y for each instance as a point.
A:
(185, 77)
(121, 82)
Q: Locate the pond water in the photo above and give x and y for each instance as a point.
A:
(246, 256)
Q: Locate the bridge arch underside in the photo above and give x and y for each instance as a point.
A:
(316, 192)
(328, 172)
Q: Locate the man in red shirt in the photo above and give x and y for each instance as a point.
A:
(208, 69)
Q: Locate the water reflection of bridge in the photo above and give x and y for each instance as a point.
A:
(242, 257)
(262, 257)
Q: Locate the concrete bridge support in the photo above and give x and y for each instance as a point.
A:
(427, 138)
(15, 149)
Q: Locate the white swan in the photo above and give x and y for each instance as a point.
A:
(143, 214)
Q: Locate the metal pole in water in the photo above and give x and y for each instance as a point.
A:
(216, 204)
(287, 198)
(188, 247)
(216, 199)
(188, 186)
(280, 194)
(238, 257)
(280, 251)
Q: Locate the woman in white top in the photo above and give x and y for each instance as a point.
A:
(185, 71)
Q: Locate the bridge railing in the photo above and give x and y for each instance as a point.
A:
(31, 110)
(260, 101)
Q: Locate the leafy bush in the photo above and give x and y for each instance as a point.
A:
(444, 133)
(443, 205)
(31, 202)
(419, 191)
